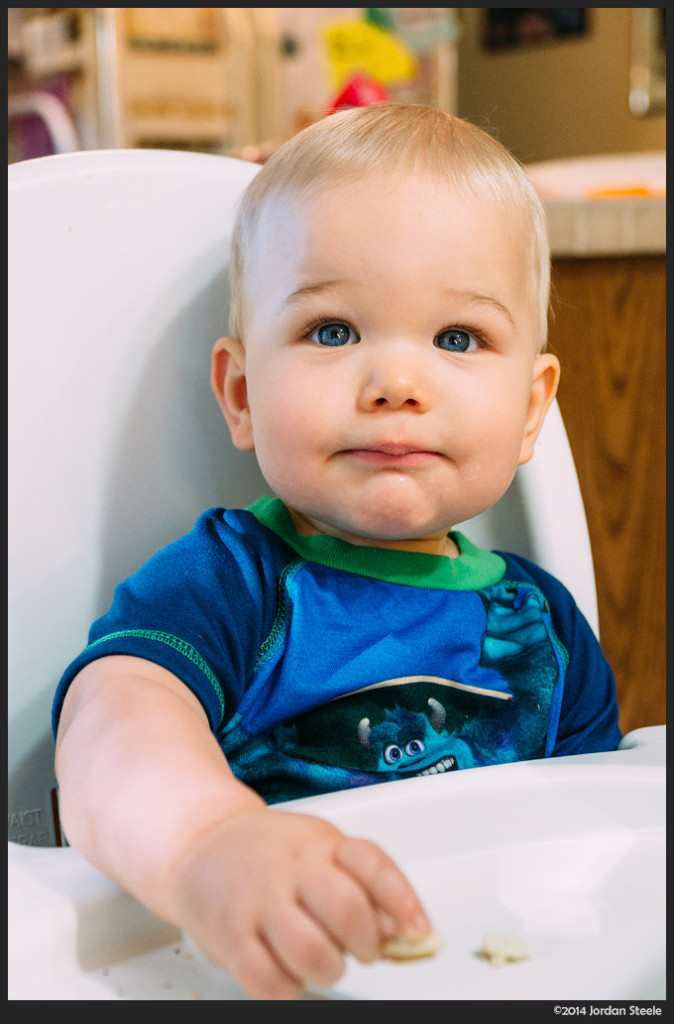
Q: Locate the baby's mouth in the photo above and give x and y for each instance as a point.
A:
(393, 454)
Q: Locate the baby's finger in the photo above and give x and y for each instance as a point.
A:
(261, 974)
(304, 948)
(343, 907)
(385, 883)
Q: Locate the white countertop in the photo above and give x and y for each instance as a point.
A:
(613, 205)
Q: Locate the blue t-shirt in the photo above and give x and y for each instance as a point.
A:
(324, 665)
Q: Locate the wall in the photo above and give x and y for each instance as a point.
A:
(562, 99)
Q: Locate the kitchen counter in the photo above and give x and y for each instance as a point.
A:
(607, 227)
(613, 205)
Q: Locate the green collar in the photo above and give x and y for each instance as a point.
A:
(472, 570)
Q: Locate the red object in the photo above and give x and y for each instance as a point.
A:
(359, 91)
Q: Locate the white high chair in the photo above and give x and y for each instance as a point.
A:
(117, 290)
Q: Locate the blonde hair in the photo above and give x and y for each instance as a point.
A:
(378, 140)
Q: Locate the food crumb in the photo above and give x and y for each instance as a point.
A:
(412, 946)
(499, 948)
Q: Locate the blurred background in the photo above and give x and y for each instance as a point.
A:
(554, 82)
(577, 94)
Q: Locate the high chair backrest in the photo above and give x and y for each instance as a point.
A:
(117, 291)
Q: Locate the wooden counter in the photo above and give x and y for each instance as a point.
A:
(608, 329)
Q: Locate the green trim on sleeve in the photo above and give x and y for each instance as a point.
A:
(472, 570)
(181, 646)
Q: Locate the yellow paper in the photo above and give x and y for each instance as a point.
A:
(356, 46)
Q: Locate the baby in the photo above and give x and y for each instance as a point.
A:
(387, 365)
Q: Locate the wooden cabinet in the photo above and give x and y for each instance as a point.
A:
(171, 77)
(183, 77)
(609, 333)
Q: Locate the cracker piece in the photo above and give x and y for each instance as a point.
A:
(412, 946)
(499, 948)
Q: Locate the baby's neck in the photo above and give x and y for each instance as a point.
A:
(437, 544)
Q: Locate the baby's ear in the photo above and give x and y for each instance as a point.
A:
(544, 384)
(228, 380)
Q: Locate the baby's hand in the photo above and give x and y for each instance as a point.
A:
(277, 899)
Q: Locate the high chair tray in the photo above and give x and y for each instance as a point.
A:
(567, 855)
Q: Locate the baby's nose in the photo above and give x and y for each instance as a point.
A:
(394, 384)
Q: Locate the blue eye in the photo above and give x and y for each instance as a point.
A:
(392, 753)
(455, 340)
(414, 747)
(334, 335)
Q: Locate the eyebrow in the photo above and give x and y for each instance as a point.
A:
(478, 298)
(486, 300)
(313, 289)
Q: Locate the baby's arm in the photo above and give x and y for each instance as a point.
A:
(273, 897)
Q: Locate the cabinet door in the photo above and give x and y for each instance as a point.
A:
(608, 330)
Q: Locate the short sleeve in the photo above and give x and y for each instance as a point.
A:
(200, 608)
(588, 713)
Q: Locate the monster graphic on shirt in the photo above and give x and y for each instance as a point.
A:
(421, 724)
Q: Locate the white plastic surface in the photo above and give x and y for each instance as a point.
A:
(566, 854)
(117, 291)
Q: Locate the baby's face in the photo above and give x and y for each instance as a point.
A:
(390, 350)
